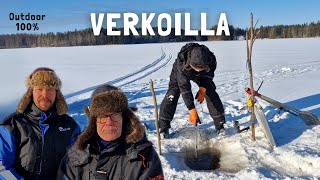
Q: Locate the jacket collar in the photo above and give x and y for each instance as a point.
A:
(134, 150)
(107, 147)
(35, 114)
(80, 157)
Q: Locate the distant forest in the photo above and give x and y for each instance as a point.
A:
(85, 37)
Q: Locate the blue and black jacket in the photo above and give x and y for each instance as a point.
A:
(33, 143)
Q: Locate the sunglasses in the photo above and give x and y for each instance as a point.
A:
(114, 117)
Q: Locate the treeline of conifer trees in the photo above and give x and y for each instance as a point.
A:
(85, 37)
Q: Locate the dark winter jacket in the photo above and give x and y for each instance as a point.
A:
(184, 75)
(121, 161)
(33, 143)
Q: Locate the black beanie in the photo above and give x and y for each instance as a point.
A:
(199, 56)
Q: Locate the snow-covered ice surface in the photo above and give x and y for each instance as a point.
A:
(290, 69)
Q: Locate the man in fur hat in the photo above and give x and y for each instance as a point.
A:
(35, 138)
(114, 145)
(195, 63)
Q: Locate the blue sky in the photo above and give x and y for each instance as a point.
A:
(64, 15)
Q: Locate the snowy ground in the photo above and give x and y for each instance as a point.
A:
(289, 69)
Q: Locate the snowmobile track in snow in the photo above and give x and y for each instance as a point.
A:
(159, 63)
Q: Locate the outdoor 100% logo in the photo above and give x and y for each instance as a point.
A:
(26, 17)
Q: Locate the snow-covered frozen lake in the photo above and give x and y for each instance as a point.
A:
(290, 69)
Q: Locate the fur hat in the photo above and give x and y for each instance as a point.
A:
(43, 77)
(108, 98)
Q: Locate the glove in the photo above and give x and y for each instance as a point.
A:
(200, 94)
(194, 118)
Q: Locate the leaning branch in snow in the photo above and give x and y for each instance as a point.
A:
(156, 115)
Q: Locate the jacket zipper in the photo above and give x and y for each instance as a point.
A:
(42, 138)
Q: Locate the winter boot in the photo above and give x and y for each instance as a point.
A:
(164, 133)
(220, 129)
(221, 132)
